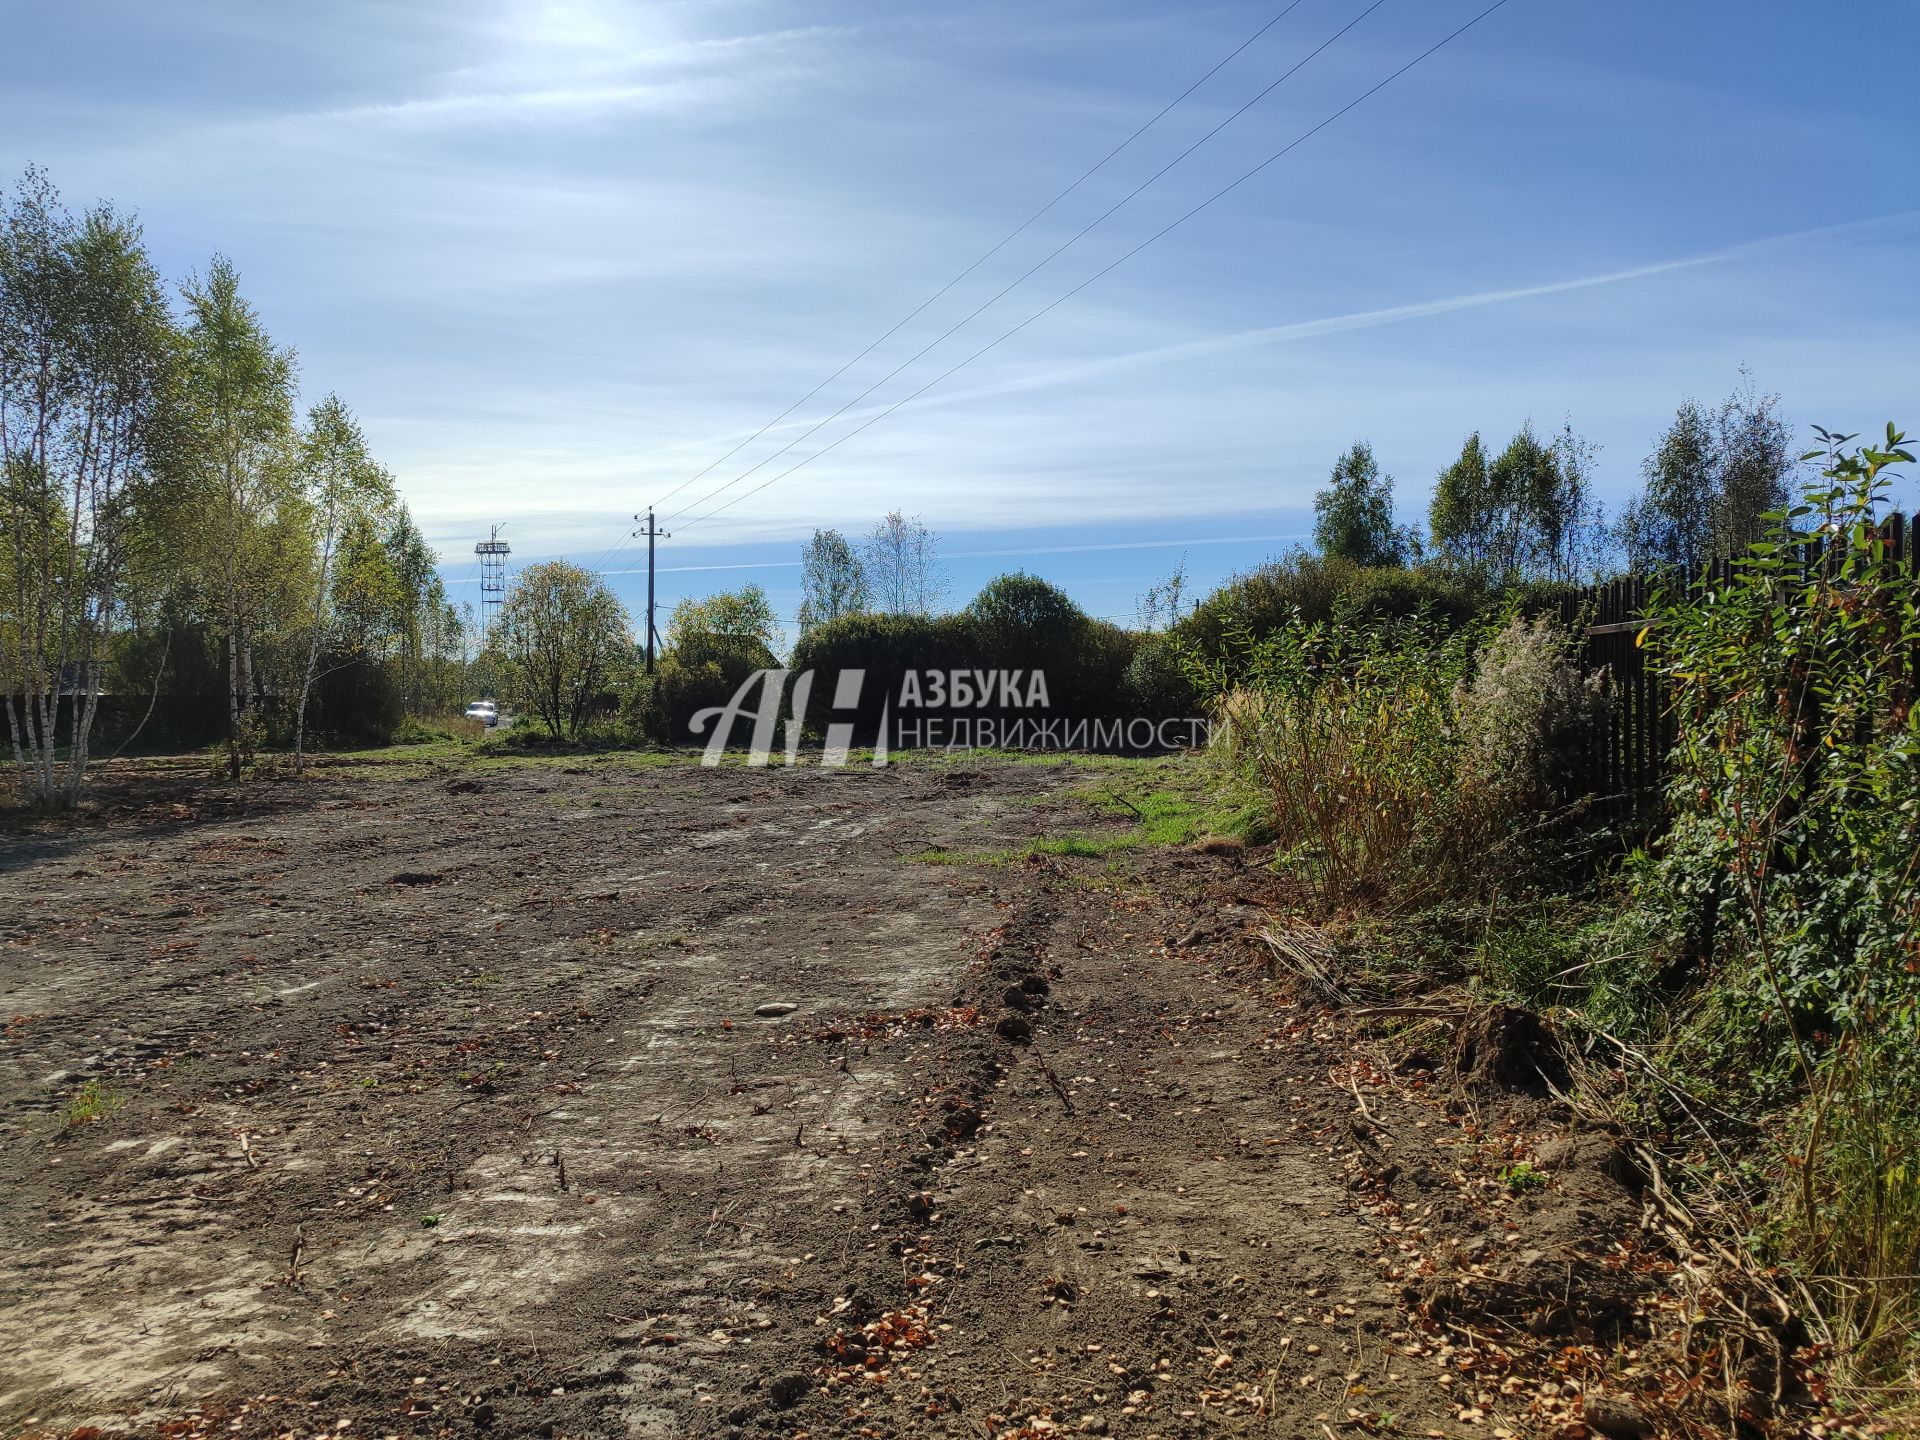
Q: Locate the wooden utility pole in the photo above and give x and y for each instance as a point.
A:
(652, 532)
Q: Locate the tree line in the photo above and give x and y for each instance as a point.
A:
(1527, 513)
(1515, 524)
(171, 521)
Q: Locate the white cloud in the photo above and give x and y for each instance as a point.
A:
(567, 103)
(575, 69)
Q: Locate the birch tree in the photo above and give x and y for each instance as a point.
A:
(85, 346)
(413, 563)
(1710, 482)
(902, 566)
(238, 397)
(833, 582)
(1165, 602)
(342, 482)
(1353, 515)
(1526, 513)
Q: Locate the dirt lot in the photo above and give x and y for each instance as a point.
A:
(604, 1098)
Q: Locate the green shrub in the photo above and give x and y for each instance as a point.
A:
(1016, 623)
(1795, 790)
(1020, 622)
(1158, 683)
(1773, 950)
(430, 729)
(1301, 587)
(1308, 588)
(1100, 681)
(1391, 592)
(1536, 952)
(356, 700)
(702, 671)
(885, 647)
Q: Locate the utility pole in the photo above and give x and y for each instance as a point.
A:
(652, 532)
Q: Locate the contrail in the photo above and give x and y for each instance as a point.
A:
(1390, 315)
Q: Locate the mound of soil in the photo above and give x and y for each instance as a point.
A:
(1502, 1049)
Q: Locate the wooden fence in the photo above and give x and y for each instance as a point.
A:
(1624, 765)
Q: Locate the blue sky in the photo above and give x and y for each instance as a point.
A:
(560, 257)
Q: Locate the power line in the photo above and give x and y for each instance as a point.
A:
(1047, 260)
(1217, 195)
(611, 553)
(1006, 240)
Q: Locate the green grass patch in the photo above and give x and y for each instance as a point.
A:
(490, 757)
(93, 1101)
(1173, 801)
(1089, 847)
(1074, 760)
(1167, 802)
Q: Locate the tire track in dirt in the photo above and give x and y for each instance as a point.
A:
(1148, 1224)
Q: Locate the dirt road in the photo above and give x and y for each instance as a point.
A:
(600, 1098)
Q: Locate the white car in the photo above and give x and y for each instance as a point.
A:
(485, 711)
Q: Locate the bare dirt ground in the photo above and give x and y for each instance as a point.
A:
(594, 1098)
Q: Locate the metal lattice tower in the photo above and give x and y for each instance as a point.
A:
(493, 554)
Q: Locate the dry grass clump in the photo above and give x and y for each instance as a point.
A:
(1399, 756)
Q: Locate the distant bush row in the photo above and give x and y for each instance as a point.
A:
(1017, 623)
(1092, 669)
